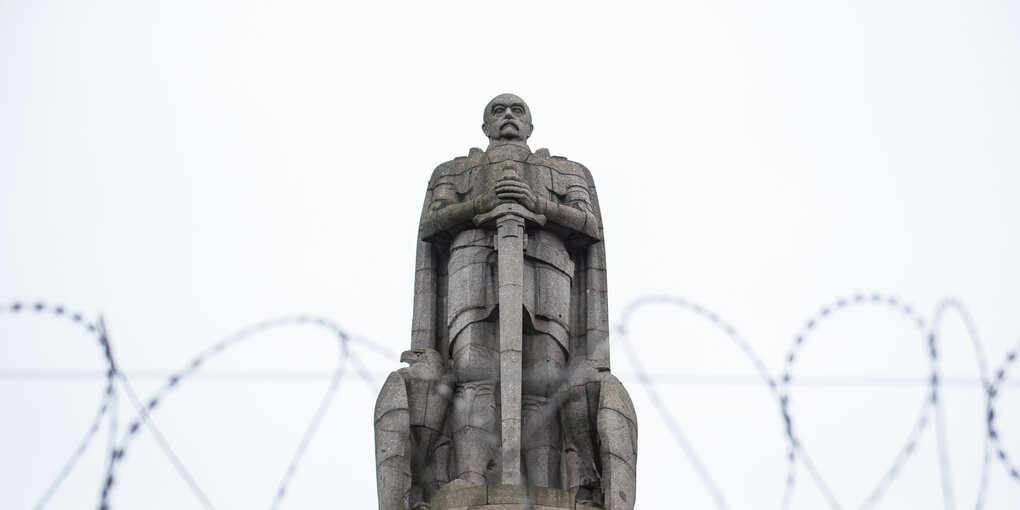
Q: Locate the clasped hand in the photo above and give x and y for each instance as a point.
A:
(511, 188)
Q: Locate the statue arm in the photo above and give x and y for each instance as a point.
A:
(446, 213)
(574, 214)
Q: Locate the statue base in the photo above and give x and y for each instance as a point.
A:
(505, 497)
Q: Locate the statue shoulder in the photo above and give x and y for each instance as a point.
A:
(457, 167)
(461, 164)
(561, 165)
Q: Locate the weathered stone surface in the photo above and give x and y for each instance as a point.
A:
(501, 497)
(508, 400)
(392, 444)
(460, 496)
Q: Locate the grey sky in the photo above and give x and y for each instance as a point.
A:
(189, 168)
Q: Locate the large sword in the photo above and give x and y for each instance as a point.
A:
(509, 219)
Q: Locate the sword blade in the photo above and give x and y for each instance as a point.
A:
(510, 264)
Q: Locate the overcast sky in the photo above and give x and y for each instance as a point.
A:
(189, 168)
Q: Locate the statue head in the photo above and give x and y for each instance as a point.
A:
(507, 117)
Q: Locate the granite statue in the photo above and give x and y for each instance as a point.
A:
(508, 395)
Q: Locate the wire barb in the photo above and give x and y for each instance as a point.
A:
(932, 408)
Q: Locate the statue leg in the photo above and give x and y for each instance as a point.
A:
(541, 441)
(617, 432)
(475, 426)
(582, 461)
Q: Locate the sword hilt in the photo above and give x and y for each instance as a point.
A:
(489, 219)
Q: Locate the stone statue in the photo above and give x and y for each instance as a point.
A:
(508, 399)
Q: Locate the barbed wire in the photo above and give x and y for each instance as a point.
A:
(977, 347)
(107, 402)
(810, 326)
(175, 380)
(993, 393)
(778, 387)
(664, 410)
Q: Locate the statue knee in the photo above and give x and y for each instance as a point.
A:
(544, 361)
(475, 353)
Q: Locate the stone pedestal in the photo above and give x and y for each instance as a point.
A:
(505, 497)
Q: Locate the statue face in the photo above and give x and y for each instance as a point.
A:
(507, 117)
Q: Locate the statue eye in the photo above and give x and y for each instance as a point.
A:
(518, 110)
(498, 109)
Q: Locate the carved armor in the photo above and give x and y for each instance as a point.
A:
(548, 269)
(578, 429)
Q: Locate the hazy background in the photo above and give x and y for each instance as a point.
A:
(189, 168)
